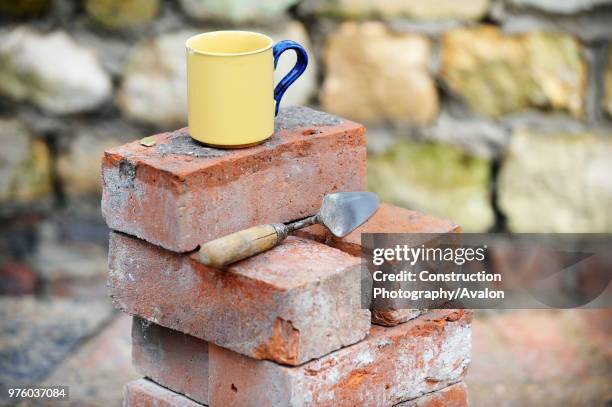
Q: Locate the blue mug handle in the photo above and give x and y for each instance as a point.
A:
(294, 73)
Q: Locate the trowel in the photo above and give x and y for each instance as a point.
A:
(341, 213)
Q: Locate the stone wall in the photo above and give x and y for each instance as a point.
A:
(495, 113)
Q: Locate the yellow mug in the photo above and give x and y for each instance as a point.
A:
(231, 96)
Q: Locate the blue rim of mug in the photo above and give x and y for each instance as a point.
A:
(228, 54)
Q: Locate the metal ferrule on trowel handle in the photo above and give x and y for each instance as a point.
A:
(340, 212)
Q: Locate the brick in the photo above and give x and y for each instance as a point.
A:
(179, 194)
(451, 396)
(296, 302)
(390, 366)
(388, 219)
(145, 393)
(173, 359)
(392, 317)
(17, 278)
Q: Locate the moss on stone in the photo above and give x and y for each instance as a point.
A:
(33, 180)
(498, 74)
(436, 178)
(117, 14)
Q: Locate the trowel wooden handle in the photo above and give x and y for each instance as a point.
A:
(228, 249)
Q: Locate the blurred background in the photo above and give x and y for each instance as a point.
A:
(494, 113)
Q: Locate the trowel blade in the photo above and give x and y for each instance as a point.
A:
(342, 212)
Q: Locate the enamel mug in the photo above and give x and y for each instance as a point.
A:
(231, 95)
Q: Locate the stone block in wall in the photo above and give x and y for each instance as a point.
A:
(607, 103)
(52, 71)
(161, 61)
(179, 194)
(498, 74)
(479, 136)
(237, 11)
(557, 182)
(559, 7)
(116, 14)
(283, 305)
(390, 366)
(153, 89)
(78, 168)
(373, 74)
(589, 21)
(435, 178)
(413, 9)
(25, 165)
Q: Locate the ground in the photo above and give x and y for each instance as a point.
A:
(520, 358)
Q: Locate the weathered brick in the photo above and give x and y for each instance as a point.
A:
(179, 194)
(145, 393)
(388, 219)
(173, 359)
(451, 396)
(390, 366)
(296, 302)
(392, 317)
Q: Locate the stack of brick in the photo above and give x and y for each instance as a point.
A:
(283, 328)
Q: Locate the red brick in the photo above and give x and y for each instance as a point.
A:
(392, 317)
(296, 302)
(390, 366)
(145, 393)
(173, 359)
(451, 396)
(17, 278)
(388, 219)
(179, 194)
